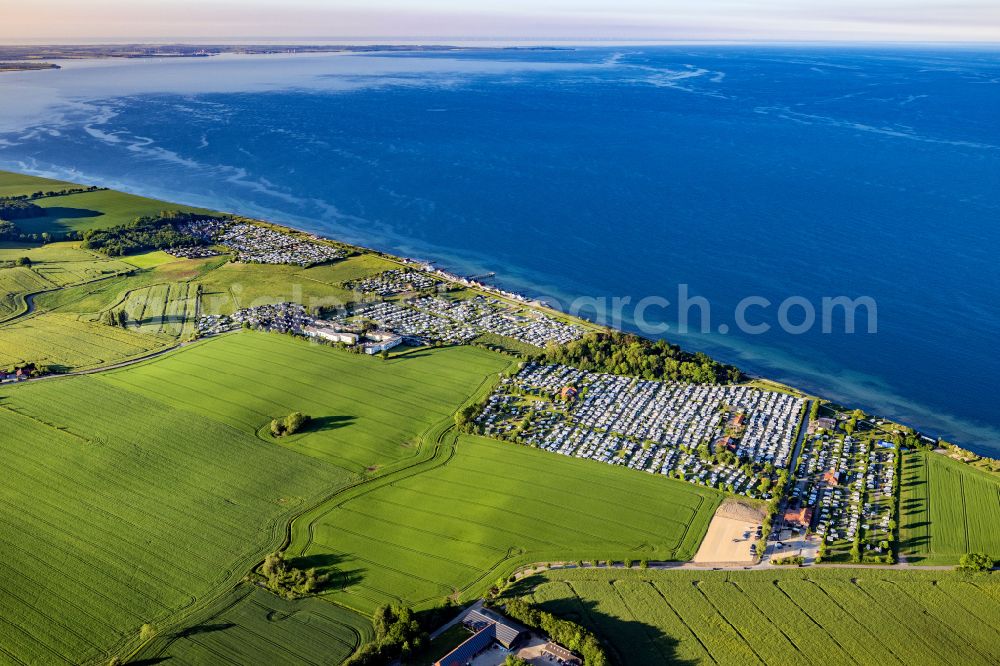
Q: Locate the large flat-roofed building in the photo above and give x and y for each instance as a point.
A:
(330, 333)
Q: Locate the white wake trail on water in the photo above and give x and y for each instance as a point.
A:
(896, 132)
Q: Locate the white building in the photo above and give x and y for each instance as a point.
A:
(331, 334)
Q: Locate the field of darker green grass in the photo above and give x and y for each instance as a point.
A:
(814, 616)
(93, 210)
(256, 627)
(234, 286)
(947, 509)
(485, 508)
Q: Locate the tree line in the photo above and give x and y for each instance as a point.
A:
(397, 635)
(627, 354)
(564, 632)
(143, 234)
(11, 232)
(19, 209)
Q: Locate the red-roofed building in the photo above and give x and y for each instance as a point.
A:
(725, 444)
(802, 517)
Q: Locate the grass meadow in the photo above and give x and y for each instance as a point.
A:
(18, 184)
(93, 210)
(65, 329)
(235, 286)
(947, 509)
(53, 266)
(815, 616)
(488, 507)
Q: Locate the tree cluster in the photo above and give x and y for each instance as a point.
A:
(41, 194)
(975, 562)
(10, 232)
(397, 635)
(117, 318)
(279, 576)
(19, 209)
(627, 354)
(289, 425)
(465, 418)
(564, 632)
(142, 235)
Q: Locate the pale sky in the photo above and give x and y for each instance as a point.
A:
(533, 20)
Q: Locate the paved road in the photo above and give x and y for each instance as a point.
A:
(123, 364)
(541, 566)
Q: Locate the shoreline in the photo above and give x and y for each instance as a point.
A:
(526, 300)
(444, 269)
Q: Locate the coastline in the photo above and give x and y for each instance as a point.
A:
(500, 289)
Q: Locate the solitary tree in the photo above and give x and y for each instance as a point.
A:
(975, 562)
(295, 422)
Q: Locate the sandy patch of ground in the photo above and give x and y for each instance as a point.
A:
(732, 530)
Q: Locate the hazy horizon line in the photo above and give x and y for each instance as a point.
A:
(460, 41)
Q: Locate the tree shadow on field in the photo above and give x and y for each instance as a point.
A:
(323, 423)
(329, 564)
(420, 352)
(627, 641)
(204, 629)
(148, 662)
(65, 213)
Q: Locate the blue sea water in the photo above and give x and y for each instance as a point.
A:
(606, 172)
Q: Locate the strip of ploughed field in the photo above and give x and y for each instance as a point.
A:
(64, 340)
(947, 509)
(261, 628)
(839, 616)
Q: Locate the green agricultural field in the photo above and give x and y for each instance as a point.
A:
(149, 259)
(948, 509)
(368, 412)
(52, 267)
(814, 616)
(165, 309)
(110, 292)
(93, 210)
(49, 253)
(68, 343)
(19, 184)
(15, 282)
(66, 273)
(234, 286)
(449, 528)
(128, 510)
(256, 627)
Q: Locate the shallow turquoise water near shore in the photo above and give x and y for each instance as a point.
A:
(623, 172)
